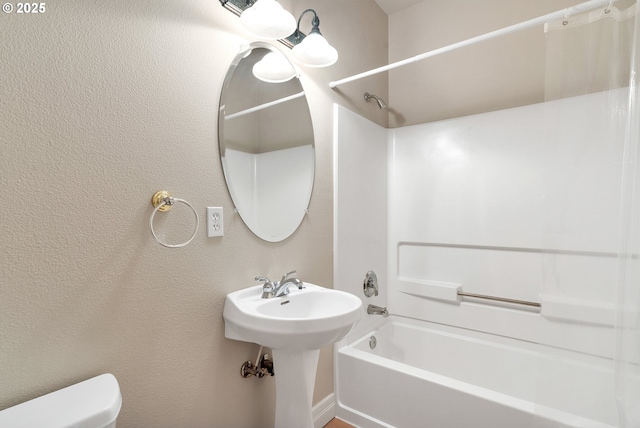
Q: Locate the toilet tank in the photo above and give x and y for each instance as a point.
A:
(93, 403)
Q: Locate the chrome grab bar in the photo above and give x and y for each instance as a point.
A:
(499, 299)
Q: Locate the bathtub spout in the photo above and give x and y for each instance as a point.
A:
(377, 310)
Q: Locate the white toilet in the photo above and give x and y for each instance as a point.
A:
(93, 403)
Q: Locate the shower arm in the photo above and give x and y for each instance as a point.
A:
(380, 101)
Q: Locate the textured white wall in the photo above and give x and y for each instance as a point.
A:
(101, 105)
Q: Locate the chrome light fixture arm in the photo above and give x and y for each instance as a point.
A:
(313, 50)
(298, 36)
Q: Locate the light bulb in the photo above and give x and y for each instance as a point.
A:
(267, 19)
(274, 68)
(315, 51)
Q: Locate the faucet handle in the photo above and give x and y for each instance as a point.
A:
(268, 289)
(286, 275)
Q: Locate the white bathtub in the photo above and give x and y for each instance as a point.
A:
(425, 375)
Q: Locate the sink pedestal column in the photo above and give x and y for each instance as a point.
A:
(295, 373)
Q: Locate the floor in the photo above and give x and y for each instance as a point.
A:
(337, 423)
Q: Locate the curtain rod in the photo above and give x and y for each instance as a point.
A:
(564, 13)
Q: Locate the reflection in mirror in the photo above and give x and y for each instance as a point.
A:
(266, 142)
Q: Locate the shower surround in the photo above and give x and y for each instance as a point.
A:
(520, 203)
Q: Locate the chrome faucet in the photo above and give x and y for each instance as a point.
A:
(278, 289)
(377, 310)
(282, 287)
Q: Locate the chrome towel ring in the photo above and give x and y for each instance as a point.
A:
(163, 201)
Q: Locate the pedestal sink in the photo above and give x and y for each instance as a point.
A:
(295, 327)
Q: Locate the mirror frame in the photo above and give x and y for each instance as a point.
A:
(244, 52)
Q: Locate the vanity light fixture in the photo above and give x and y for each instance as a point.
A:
(313, 50)
(267, 19)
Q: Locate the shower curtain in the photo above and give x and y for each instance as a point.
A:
(591, 242)
(589, 52)
(627, 354)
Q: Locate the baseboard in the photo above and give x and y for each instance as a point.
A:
(324, 411)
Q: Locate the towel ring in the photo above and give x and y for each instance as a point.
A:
(163, 201)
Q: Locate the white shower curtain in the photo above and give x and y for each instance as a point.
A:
(593, 211)
(589, 52)
(627, 354)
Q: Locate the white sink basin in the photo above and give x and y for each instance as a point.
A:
(306, 319)
(295, 327)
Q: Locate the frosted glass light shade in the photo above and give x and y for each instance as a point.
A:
(315, 51)
(274, 68)
(267, 19)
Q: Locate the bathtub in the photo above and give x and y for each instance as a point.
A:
(426, 375)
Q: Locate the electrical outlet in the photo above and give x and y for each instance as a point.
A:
(215, 222)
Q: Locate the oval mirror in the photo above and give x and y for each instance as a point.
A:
(266, 142)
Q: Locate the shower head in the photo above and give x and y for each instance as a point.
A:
(381, 103)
